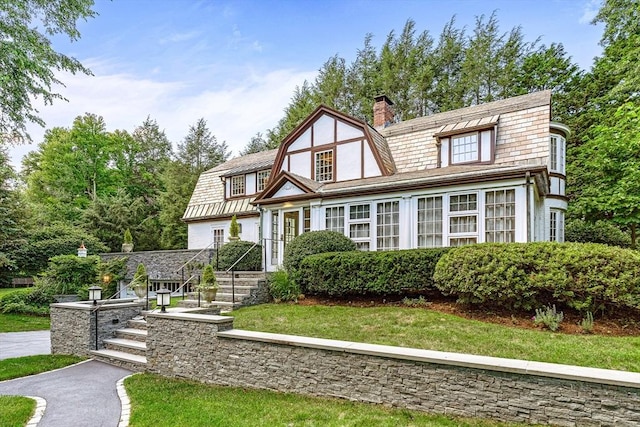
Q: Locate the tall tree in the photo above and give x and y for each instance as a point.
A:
(11, 220)
(198, 152)
(447, 92)
(28, 63)
(609, 165)
(72, 168)
(256, 144)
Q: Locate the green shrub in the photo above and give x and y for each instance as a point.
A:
(208, 279)
(232, 251)
(548, 317)
(282, 288)
(33, 301)
(584, 276)
(311, 243)
(68, 274)
(581, 231)
(370, 273)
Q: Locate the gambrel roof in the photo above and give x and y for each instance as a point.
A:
(405, 153)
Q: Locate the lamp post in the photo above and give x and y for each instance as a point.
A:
(95, 293)
(163, 299)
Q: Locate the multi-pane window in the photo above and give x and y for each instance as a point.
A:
(557, 154)
(463, 202)
(262, 178)
(556, 225)
(218, 237)
(237, 185)
(464, 148)
(388, 226)
(274, 238)
(430, 222)
(500, 216)
(324, 166)
(334, 219)
(360, 226)
(306, 217)
(463, 219)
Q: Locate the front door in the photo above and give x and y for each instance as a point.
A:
(290, 226)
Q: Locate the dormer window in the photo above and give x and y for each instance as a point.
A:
(237, 185)
(324, 166)
(464, 148)
(262, 178)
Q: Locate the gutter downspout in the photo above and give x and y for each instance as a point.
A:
(527, 186)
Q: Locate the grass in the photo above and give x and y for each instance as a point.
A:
(30, 365)
(185, 403)
(426, 329)
(15, 411)
(23, 323)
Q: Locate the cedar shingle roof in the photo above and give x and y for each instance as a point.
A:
(407, 159)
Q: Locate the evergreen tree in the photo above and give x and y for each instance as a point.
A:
(11, 221)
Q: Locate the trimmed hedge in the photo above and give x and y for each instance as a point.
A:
(232, 251)
(311, 243)
(370, 273)
(584, 276)
(581, 231)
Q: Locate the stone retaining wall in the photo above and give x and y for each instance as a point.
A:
(160, 264)
(73, 325)
(206, 348)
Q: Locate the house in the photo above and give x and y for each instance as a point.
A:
(488, 173)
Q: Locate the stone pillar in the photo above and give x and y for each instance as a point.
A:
(73, 325)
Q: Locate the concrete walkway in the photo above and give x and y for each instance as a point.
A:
(76, 396)
(19, 344)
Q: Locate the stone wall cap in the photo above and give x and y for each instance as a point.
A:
(192, 317)
(103, 304)
(552, 370)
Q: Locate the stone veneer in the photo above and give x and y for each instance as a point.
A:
(73, 324)
(161, 264)
(206, 348)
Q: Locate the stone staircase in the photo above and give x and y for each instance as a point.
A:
(128, 349)
(250, 289)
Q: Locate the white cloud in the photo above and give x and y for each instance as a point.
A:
(589, 11)
(179, 37)
(234, 114)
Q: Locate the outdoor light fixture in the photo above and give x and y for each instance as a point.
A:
(95, 294)
(106, 278)
(163, 299)
(82, 251)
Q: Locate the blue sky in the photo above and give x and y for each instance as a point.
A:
(237, 63)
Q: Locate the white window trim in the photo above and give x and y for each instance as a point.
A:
(232, 191)
(464, 135)
(262, 183)
(447, 235)
(560, 152)
(350, 222)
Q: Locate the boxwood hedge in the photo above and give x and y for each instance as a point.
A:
(232, 251)
(369, 273)
(584, 276)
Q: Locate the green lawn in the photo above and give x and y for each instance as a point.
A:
(157, 400)
(423, 328)
(30, 365)
(23, 323)
(15, 411)
(19, 322)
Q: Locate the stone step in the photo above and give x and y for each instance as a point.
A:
(222, 305)
(228, 296)
(238, 284)
(241, 275)
(129, 361)
(137, 323)
(133, 334)
(126, 346)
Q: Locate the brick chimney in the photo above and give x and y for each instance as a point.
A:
(382, 111)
